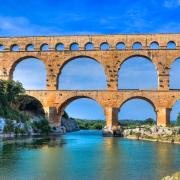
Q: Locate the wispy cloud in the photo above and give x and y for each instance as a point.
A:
(172, 3)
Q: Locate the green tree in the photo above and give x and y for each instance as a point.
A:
(10, 90)
(149, 121)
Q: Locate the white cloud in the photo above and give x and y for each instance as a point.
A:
(19, 26)
(171, 3)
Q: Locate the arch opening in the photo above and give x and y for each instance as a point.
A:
(74, 47)
(87, 112)
(77, 75)
(30, 47)
(137, 111)
(89, 46)
(1, 48)
(175, 74)
(15, 47)
(171, 45)
(137, 72)
(137, 45)
(154, 45)
(44, 47)
(60, 47)
(120, 46)
(104, 46)
(31, 72)
(175, 114)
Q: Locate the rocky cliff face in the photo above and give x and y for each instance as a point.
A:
(70, 124)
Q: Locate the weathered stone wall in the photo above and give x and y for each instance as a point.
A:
(55, 101)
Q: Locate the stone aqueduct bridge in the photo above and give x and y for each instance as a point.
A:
(54, 101)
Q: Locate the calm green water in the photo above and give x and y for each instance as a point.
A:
(87, 155)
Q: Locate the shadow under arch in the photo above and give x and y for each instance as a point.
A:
(174, 74)
(31, 104)
(145, 61)
(69, 100)
(74, 58)
(150, 102)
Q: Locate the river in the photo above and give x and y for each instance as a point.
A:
(86, 155)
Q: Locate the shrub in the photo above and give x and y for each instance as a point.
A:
(41, 126)
(9, 127)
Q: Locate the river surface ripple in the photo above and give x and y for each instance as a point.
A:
(86, 155)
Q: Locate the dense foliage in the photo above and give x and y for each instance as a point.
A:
(19, 109)
(90, 124)
(99, 124)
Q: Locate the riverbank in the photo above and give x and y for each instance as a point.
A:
(175, 176)
(153, 133)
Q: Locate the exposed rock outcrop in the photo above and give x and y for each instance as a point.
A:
(156, 133)
(70, 124)
(175, 176)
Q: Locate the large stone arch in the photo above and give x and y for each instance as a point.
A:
(173, 103)
(126, 58)
(153, 104)
(145, 99)
(20, 59)
(177, 58)
(73, 58)
(68, 100)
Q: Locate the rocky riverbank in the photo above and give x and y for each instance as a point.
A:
(153, 133)
(69, 124)
(35, 126)
(175, 176)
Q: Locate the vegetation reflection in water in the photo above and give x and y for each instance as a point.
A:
(87, 155)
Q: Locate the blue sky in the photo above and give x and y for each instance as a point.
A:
(50, 17)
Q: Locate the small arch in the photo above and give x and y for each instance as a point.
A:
(30, 47)
(171, 45)
(154, 45)
(44, 47)
(74, 47)
(104, 46)
(137, 45)
(120, 46)
(15, 47)
(89, 46)
(1, 48)
(60, 47)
